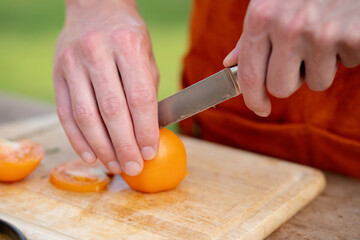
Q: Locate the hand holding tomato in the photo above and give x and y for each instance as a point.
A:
(166, 170)
(287, 43)
(105, 80)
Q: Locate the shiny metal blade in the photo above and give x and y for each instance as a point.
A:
(198, 97)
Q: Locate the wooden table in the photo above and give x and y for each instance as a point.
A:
(335, 214)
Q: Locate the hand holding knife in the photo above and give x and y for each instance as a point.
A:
(198, 97)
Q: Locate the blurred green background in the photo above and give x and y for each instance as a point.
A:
(29, 29)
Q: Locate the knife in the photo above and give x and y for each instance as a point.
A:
(198, 97)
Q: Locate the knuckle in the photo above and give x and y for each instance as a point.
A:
(260, 15)
(299, 24)
(111, 106)
(352, 40)
(91, 45)
(128, 39)
(306, 18)
(291, 32)
(103, 153)
(125, 147)
(128, 35)
(64, 113)
(68, 57)
(90, 41)
(148, 137)
(141, 97)
(83, 115)
(290, 29)
(326, 37)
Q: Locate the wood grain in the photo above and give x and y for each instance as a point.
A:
(228, 194)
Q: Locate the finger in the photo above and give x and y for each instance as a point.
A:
(349, 52)
(77, 140)
(320, 69)
(86, 115)
(349, 45)
(232, 58)
(283, 74)
(349, 58)
(252, 62)
(140, 91)
(116, 115)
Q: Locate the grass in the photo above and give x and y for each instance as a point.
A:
(28, 32)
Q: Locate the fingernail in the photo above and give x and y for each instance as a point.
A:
(262, 114)
(148, 153)
(132, 168)
(114, 167)
(88, 157)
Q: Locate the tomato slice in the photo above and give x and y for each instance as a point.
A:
(77, 176)
(18, 159)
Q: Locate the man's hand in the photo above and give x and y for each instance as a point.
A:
(285, 43)
(106, 80)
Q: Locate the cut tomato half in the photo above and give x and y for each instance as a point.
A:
(18, 159)
(77, 176)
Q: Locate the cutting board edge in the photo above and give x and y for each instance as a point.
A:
(316, 183)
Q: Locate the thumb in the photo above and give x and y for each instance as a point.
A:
(232, 58)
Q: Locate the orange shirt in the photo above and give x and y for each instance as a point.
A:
(320, 129)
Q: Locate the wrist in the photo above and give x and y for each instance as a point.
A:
(89, 3)
(75, 8)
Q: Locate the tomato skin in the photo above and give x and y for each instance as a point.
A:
(77, 176)
(18, 159)
(166, 170)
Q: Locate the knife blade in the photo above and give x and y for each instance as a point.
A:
(198, 97)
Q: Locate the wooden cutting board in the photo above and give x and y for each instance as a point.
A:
(228, 194)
